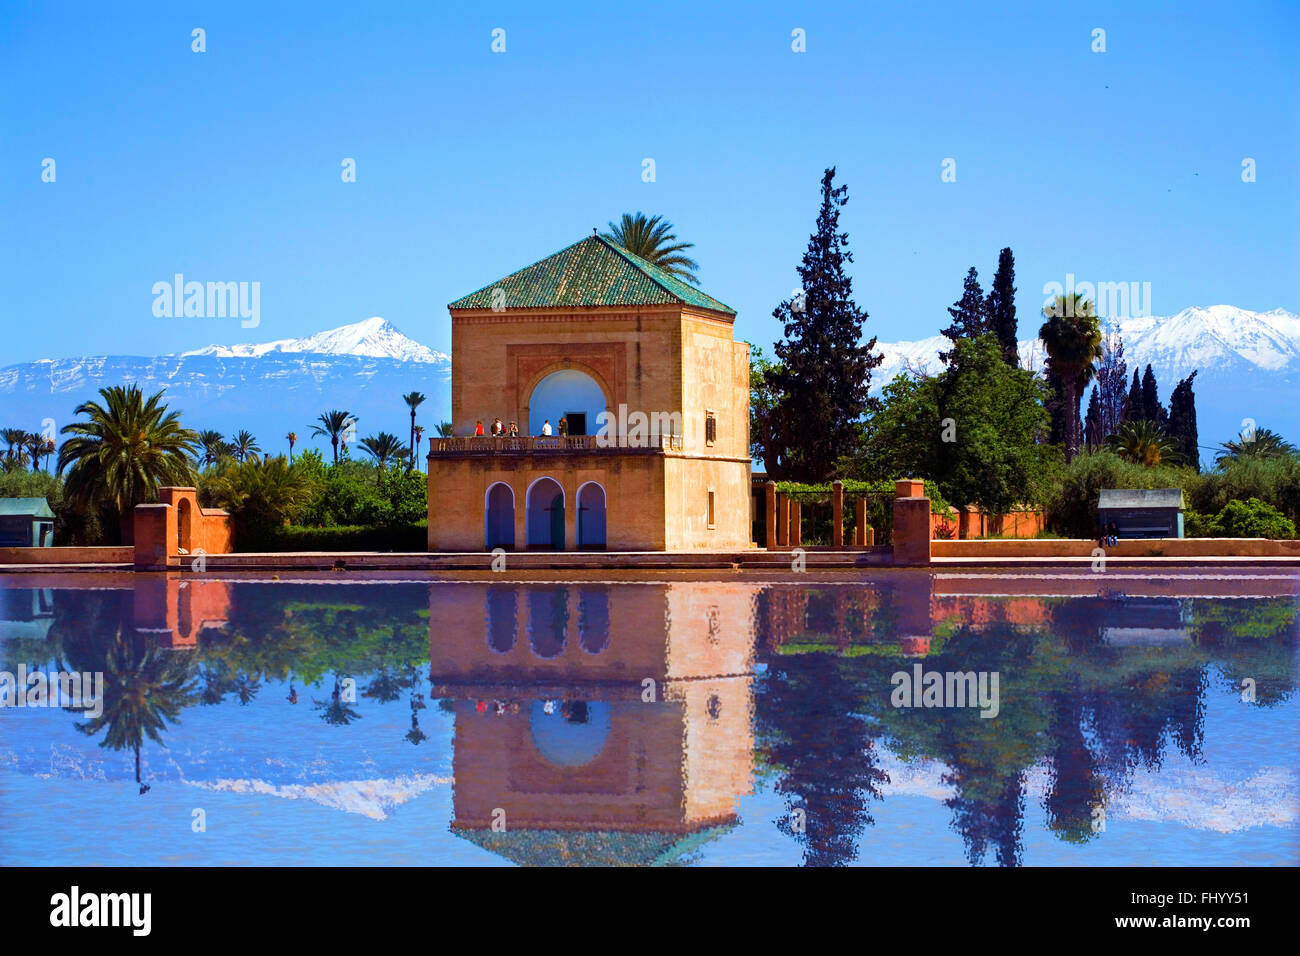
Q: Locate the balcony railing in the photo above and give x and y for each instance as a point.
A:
(552, 444)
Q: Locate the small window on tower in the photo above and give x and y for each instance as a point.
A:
(711, 509)
(710, 428)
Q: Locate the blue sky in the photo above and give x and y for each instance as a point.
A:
(225, 166)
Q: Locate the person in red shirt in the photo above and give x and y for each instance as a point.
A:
(478, 429)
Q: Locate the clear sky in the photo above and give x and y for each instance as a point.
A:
(225, 165)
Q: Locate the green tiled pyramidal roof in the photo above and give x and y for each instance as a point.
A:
(594, 271)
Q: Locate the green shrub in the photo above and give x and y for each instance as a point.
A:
(1250, 519)
(1195, 524)
(1275, 481)
(342, 538)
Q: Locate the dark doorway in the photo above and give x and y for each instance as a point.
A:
(577, 422)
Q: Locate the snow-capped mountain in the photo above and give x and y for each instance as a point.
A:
(1247, 363)
(270, 388)
(373, 338)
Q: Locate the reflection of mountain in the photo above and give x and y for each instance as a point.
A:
(587, 732)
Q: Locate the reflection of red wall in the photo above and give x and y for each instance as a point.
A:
(1025, 611)
(176, 609)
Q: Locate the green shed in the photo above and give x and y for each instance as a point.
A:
(26, 523)
(1142, 512)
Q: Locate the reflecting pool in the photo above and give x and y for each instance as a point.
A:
(897, 718)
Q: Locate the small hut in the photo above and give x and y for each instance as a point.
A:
(1142, 512)
(26, 523)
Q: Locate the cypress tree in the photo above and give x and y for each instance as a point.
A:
(1093, 432)
(1133, 405)
(824, 368)
(1182, 422)
(1152, 410)
(1001, 307)
(969, 319)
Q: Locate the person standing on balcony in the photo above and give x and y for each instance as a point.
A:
(546, 427)
(478, 429)
(498, 429)
(514, 430)
(564, 425)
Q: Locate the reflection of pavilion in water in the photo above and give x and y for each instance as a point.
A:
(596, 723)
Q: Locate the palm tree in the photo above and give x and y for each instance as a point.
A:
(213, 447)
(263, 493)
(446, 429)
(1072, 337)
(1258, 443)
(243, 445)
(35, 446)
(1143, 442)
(293, 440)
(334, 423)
(413, 401)
(652, 240)
(48, 449)
(15, 437)
(419, 439)
(383, 448)
(128, 448)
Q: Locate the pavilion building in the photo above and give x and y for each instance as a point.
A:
(654, 393)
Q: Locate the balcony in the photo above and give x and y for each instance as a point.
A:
(553, 445)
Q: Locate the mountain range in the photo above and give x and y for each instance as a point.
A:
(1247, 364)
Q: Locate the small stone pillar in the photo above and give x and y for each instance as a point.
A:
(911, 523)
(837, 514)
(769, 514)
(154, 537)
(796, 523)
(860, 528)
(782, 521)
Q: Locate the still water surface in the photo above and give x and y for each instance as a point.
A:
(636, 721)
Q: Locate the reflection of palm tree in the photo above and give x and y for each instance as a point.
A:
(144, 689)
(216, 683)
(336, 711)
(386, 687)
(246, 687)
(415, 734)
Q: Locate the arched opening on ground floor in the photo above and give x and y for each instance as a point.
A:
(499, 517)
(591, 517)
(545, 515)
